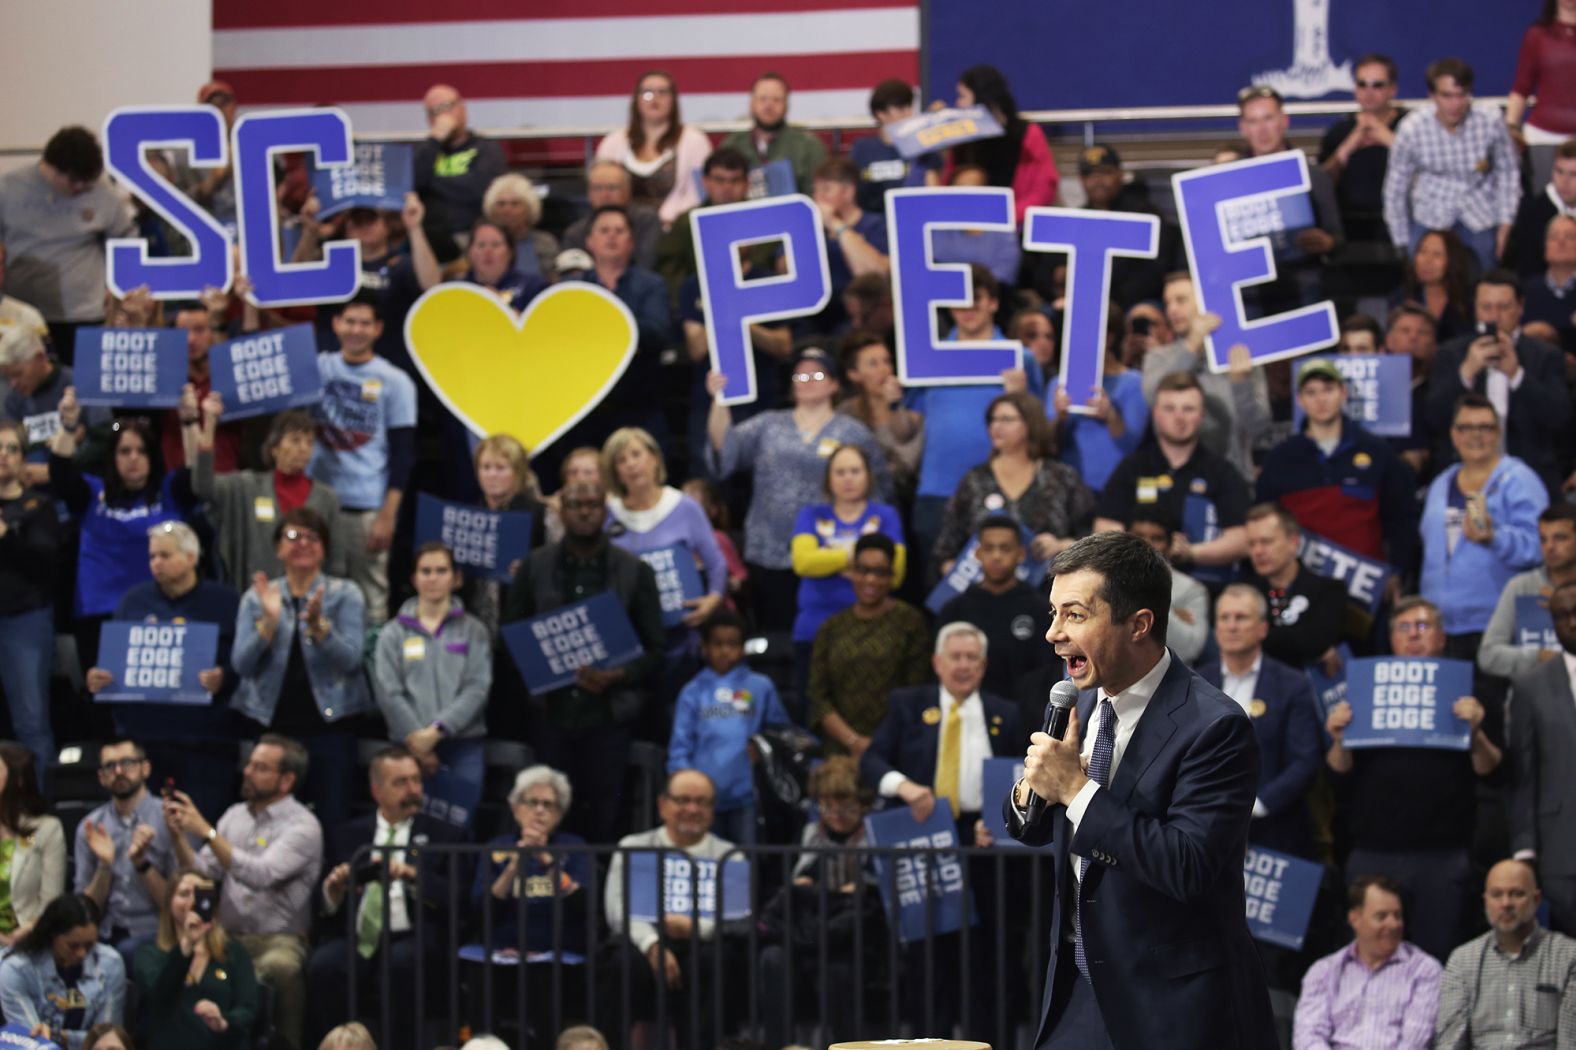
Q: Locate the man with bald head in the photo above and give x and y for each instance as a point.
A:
(454, 166)
(1513, 986)
(607, 182)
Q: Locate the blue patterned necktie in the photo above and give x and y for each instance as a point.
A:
(1099, 772)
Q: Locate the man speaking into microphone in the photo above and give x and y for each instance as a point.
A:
(1148, 810)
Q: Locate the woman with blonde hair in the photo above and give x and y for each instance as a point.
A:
(512, 202)
(352, 1035)
(197, 988)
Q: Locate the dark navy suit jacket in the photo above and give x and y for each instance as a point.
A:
(1286, 722)
(904, 741)
(1170, 958)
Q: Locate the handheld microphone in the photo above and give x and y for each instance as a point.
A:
(1058, 710)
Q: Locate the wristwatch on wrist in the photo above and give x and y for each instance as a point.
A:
(213, 833)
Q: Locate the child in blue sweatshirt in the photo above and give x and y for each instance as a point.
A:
(718, 711)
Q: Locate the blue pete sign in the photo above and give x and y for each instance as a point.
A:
(1222, 267)
(1364, 577)
(254, 142)
(1280, 891)
(1091, 239)
(731, 304)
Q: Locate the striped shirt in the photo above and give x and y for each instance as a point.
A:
(1493, 1001)
(1347, 1006)
(1438, 177)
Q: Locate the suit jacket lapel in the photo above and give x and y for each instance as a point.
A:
(1155, 728)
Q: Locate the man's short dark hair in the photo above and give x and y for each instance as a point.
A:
(1375, 58)
(1357, 892)
(837, 169)
(1499, 276)
(870, 289)
(890, 93)
(1451, 67)
(874, 541)
(1001, 521)
(1472, 399)
(770, 75)
(1154, 514)
(1408, 310)
(984, 281)
(1363, 323)
(720, 620)
(293, 757)
(392, 753)
(1561, 511)
(1566, 150)
(728, 159)
(122, 741)
(363, 298)
(597, 213)
(1288, 521)
(1134, 575)
(75, 153)
(1179, 381)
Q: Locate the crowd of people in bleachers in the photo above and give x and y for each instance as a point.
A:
(1445, 234)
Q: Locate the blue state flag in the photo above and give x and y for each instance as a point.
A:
(689, 886)
(130, 367)
(678, 580)
(267, 372)
(1378, 391)
(1534, 624)
(485, 542)
(923, 891)
(156, 662)
(942, 129)
(1406, 701)
(1364, 578)
(967, 571)
(379, 176)
(551, 647)
(1280, 891)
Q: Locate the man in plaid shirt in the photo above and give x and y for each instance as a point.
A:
(1453, 168)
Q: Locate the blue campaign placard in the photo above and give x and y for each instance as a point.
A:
(924, 891)
(967, 571)
(1378, 391)
(942, 129)
(549, 649)
(130, 367)
(1405, 701)
(772, 180)
(1534, 625)
(20, 1037)
(997, 776)
(485, 542)
(1364, 577)
(156, 663)
(267, 372)
(689, 887)
(1280, 890)
(1278, 219)
(678, 580)
(379, 176)
(1329, 690)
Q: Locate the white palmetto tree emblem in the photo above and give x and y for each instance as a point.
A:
(1312, 73)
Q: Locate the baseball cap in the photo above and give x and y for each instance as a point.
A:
(1320, 369)
(818, 357)
(1097, 156)
(572, 259)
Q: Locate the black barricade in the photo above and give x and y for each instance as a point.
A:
(800, 948)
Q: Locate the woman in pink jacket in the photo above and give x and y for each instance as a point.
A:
(1019, 157)
(662, 154)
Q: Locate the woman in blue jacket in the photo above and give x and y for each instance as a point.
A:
(1480, 525)
(58, 981)
(298, 653)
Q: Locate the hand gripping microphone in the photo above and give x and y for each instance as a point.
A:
(1058, 709)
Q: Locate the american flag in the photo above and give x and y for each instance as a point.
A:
(559, 63)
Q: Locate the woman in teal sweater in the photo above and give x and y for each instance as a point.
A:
(197, 985)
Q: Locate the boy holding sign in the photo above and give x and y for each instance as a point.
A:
(1411, 808)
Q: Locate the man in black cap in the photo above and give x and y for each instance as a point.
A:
(1107, 188)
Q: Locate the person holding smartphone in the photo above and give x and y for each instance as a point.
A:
(197, 988)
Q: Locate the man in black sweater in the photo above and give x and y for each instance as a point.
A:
(1306, 609)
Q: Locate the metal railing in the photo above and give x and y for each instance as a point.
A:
(814, 963)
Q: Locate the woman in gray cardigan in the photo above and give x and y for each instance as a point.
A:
(431, 672)
(247, 505)
(32, 846)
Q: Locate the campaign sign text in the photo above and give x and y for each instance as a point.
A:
(130, 367)
(678, 581)
(967, 571)
(771, 180)
(550, 648)
(1534, 624)
(485, 542)
(1091, 240)
(919, 284)
(941, 129)
(1378, 391)
(1280, 891)
(689, 887)
(157, 662)
(198, 131)
(925, 891)
(267, 372)
(1279, 219)
(731, 304)
(997, 776)
(379, 177)
(1364, 577)
(1406, 701)
(1222, 268)
(1329, 690)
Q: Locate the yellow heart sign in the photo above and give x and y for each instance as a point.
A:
(534, 376)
